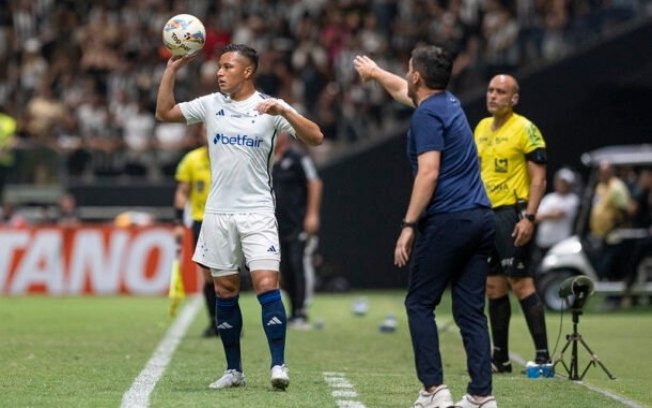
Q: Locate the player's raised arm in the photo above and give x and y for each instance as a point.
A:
(166, 107)
(305, 129)
(394, 84)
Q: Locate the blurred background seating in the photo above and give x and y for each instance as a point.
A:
(80, 78)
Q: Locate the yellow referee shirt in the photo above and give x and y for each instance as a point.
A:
(503, 166)
(7, 131)
(195, 169)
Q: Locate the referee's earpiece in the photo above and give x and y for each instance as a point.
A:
(514, 99)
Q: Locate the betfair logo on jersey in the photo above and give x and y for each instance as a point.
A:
(237, 140)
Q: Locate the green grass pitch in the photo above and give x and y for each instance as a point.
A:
(86, 352)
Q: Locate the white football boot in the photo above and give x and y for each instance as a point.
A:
(279, 378)
(230, 378)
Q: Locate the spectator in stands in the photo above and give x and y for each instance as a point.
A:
(640, 208)
(610, 203)
(612, 199)
(33, 67)
(556, 214)
(101, 137)
(555, 15)
(11, 218)
(500, 30)
(115, 46)
(138, 136)
(170, 141)
(45, 118)
(68, 215)
(640, 212)
(5, 31)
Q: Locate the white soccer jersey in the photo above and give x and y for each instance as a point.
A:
(241, 144)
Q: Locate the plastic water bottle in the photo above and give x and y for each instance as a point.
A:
(535, 370)
(360, 306)
(389, 324)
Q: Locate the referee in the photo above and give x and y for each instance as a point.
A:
(298, 190)
(512, 154)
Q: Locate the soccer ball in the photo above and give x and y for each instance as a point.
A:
(184, 34)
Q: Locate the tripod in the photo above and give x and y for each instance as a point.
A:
(572, 340)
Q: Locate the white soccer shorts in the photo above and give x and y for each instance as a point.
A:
(226, 240)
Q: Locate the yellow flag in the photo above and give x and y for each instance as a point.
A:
(176, 292)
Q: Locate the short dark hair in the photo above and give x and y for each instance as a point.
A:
(244, 50)
(434, 64)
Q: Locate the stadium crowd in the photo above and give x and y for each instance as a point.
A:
(79, 77)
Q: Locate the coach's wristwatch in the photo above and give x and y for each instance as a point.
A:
(530, 217)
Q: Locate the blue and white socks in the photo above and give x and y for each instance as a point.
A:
(274, 323)
(229, 326)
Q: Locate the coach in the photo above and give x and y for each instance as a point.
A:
(450, 209)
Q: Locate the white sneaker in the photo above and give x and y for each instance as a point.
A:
(299, 323)
(439, 398)
(470, 402)
(280, 379)
(230, 378)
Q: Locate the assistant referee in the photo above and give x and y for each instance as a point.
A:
(193, 178)
(512, 155)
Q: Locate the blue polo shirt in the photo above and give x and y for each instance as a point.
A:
(439, 123)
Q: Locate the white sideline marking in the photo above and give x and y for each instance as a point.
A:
(520, 360)
(622, 400)
(344, 394)
(627, 402)
(138, 395)
(342, 389)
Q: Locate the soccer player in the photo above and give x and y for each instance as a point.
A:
(450, 208)
(513, 164)
(193, 178)
(239, 223)
(298, 190)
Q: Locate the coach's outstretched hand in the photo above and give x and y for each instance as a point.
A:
(365, 67)
(396, 86)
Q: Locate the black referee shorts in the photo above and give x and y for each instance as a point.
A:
(196, 228)
(506, 258)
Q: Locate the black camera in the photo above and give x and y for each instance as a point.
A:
(576, 291)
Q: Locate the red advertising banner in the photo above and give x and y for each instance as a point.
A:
(90, 260)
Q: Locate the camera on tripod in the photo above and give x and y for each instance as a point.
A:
(575, 291)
